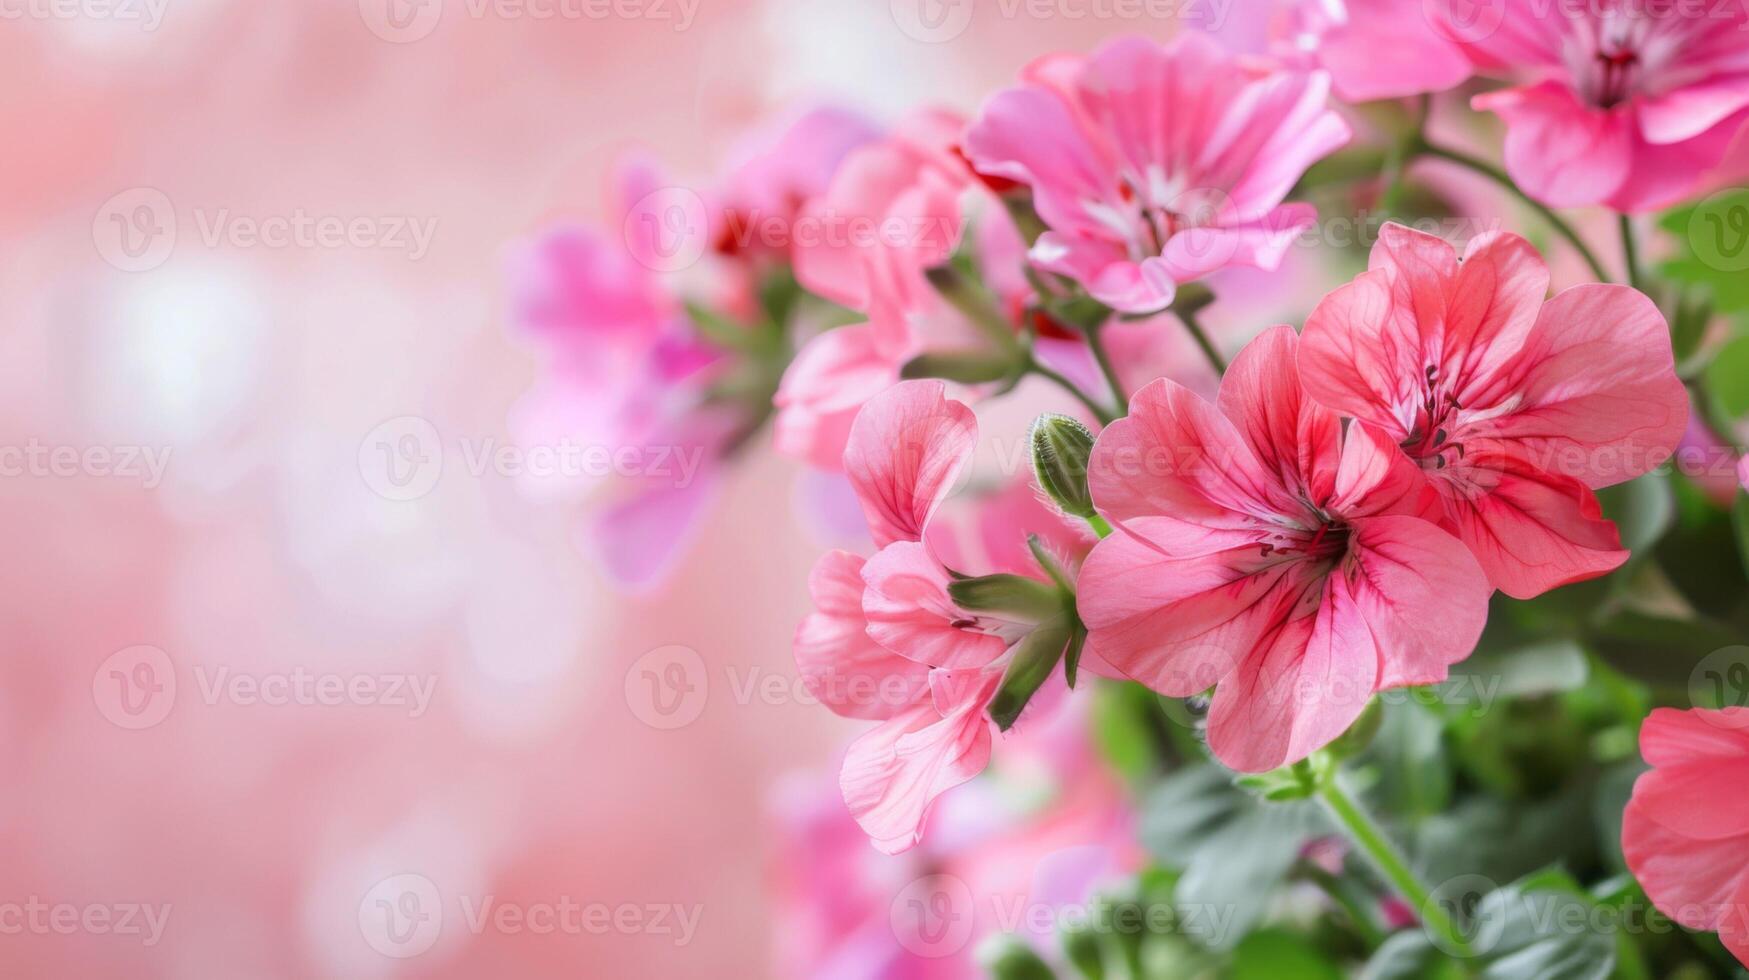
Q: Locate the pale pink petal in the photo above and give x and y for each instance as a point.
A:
(1491, 309)
(1684, 113)
(1196, 252)
(1360, 355)
(839, 664)
(895, 771)
(1665, 173)
(1561, 152)
(1600, 400)
(639, 539)
(830, 378)
(1386, 50)
(1030, 135)
(909, 612)
(905, 451)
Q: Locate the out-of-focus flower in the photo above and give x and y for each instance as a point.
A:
(1515, 408)
(630, 375)
(1155, 165)
(1044, 832)
(1686, 830)
(1373, 49)
(1626, 104)
(1260, 551)
(895, 210)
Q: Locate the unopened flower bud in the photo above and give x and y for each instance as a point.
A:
(1061, 448)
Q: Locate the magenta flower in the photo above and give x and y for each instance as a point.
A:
(1686, 830)
(1515, 408)
(1628, 104)
(1155, 165)
(1261, 550)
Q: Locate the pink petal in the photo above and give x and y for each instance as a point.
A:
(639, 539)
(1197, 252)
(1376, 478)
(1702, 884)
(1176, 606)
(1177, 454)
(1672, 738)
(1303, 686)
(1420, 592)
(1600, 398)
(1664, 173)
(831, 377)
(1531, 530)
(1561, 152)
(1030, 135)
(1684, 113)
(1386, 51)
(909, 611)
(895, 771)
(839, 664)
(906, 448)
(1492, 306)
(1289, 433)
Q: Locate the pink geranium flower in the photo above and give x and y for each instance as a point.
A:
(1261, 550)
(1686, 830)
(1517, 409)
(1155, 165)
(885, 642)
(1627, 104)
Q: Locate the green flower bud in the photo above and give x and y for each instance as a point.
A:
(1061, 448)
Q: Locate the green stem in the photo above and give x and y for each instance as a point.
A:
(1390, 862)
(1187, 316)
(1500, 177)
(1097, 345)
(1630, 253)
(1100, 412)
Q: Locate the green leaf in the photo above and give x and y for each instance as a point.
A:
(1034, 659)
(1011, 596)
(1740, 524)
(1726, 381)
(1414, 775)
(1543, 926)
(966, 367)
(1274, 954)
(1713, 247)
(1234, 850)
(1009, 959)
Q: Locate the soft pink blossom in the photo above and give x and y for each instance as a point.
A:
(1154, 165)
(1261, 550)
(1686, 830)
(905, 451)
(894, 209)
(1515, 408)
(1627, 104)
(1373, 49)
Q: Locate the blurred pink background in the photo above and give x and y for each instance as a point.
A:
(211, 699)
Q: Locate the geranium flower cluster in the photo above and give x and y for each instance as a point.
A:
(1329, 516)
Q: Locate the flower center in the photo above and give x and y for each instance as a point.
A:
(1430, 439)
